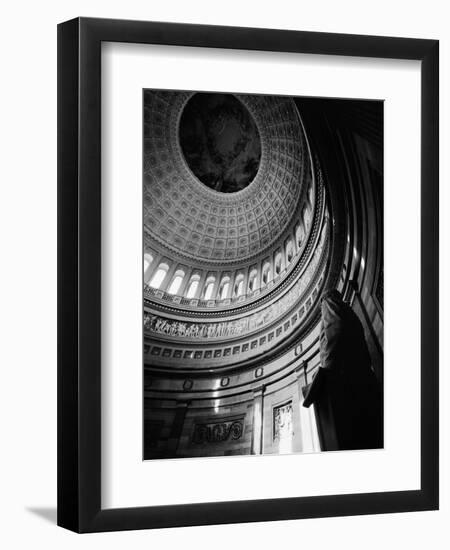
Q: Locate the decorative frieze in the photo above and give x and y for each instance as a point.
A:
(282, 422)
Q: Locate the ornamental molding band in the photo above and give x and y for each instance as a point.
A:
(218, 431)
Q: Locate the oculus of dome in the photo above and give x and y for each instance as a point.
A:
(220, 141)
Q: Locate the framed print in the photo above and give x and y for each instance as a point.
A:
(248, 275)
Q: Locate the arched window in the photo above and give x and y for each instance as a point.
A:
(176, 282)
(277, 264)
(252, 280)
(239, 285)
(193, 286)
(208, 288)
(289, 251)
(310, 194)
(224, 288)
(306, 217)
(266, 273)
(148, 259)
(299, 235)
(159, 276)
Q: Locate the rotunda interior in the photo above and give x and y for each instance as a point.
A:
(255, 207)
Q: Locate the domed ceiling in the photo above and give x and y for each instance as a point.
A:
(222, 173)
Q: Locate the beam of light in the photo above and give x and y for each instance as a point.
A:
(308, 427)
(216, 401)
(257, 428)
(314, 429)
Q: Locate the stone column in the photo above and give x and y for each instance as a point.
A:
(232, 281)
(201, 283)
(183, 288)
(258, 421)
(308, 425)
(177, 427)
(168, 278)
(214, 295)
(258, 277)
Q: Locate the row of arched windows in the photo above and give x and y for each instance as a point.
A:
(221, 288)
(158, 278)
(224, 289)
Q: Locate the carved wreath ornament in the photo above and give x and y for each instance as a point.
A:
(217, 432)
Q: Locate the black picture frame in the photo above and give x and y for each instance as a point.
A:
(79, 274)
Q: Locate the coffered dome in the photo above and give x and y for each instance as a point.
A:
(189, 218)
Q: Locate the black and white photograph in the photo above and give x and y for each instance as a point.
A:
(262, 274)
(228, 224)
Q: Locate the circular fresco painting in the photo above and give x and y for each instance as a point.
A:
(220, 141)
